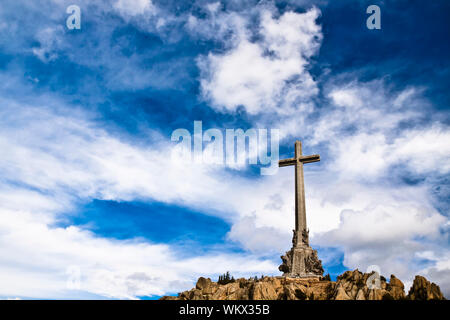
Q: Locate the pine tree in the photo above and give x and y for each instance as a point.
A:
(327, 277)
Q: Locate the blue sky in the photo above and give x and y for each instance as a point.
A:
(87, 181)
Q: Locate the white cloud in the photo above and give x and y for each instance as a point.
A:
(418, 150)
(268, 75)
(65, 155)
(375, 129)
(346, 98)
(49, 43)
(385, 225)
(388, 235)
(263, 239)
(368, 108)
(38, 258)
(425, 150)
(134, 7)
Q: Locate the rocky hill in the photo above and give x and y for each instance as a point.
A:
(351, 285)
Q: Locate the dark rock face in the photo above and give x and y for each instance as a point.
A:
(351, 285)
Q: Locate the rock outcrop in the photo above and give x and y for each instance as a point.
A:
(422, 289)
(357, 286)
(351, 285)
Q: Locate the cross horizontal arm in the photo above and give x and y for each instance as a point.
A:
(309, 159)
(287, 162)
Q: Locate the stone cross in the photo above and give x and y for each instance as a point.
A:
(300, 209)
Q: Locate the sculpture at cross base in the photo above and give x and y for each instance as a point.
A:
(301, 261)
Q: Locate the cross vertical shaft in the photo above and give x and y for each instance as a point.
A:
(300, 206)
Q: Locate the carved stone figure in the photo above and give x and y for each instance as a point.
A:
(294, 238)
(313, 264)
(305, 236)
(285, 267)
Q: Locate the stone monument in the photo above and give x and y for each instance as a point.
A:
(302, 260)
